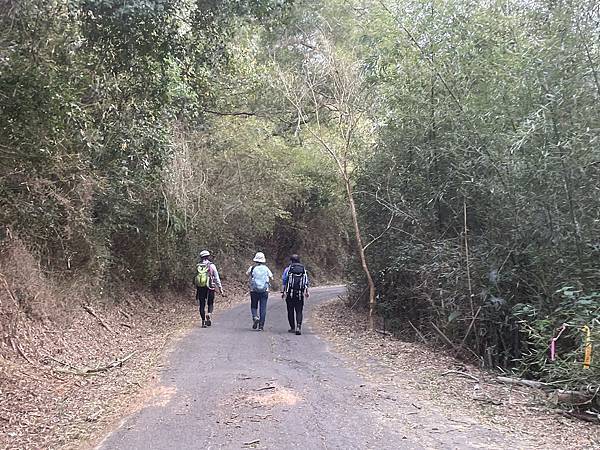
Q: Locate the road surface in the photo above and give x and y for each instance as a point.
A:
(230, 387)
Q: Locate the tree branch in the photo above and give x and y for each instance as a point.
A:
(389, 225)
(424, 54)
(232, 113)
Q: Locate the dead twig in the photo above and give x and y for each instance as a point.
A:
(418, 332)
(266, 388)
(389, 225)
(450, 343)
(489, 400)
(10, 293)
(62, 363)
(17, 348)
(95, 370)
(462, 344)
(528, 383)
(444, 337)
(91, 311)
(464, 374)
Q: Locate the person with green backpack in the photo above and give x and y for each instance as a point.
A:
(206, 280)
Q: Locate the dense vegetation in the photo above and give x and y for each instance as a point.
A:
(487, 170)
(123, 151)
(465, 134)
(470, 130)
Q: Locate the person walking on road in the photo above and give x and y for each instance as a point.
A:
(260, 277)
(294, 288)
(206, 280)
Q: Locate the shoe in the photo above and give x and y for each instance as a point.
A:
(292, 330)
(298, 331)
(208, 322)
(255, 323)
(203, 324)
(261, 328)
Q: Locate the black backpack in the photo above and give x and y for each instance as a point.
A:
(296, 282)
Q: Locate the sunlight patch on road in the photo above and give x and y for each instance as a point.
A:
(278, 396)
(160, 396)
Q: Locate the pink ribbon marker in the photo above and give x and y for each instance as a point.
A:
(553, 342)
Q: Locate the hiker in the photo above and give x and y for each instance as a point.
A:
(206, 281)
(259, 276)
(294, 287)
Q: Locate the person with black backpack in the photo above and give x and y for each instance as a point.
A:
(295, 287)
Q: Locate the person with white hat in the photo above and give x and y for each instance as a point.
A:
(260, 277)
(206, 281)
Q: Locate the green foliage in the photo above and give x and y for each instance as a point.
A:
(575, 310)
(112, 165)
(487, 127)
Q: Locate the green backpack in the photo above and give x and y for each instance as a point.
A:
(202, 275)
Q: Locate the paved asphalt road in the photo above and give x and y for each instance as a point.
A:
(230, 387)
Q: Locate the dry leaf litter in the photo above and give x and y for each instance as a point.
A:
(435, 380)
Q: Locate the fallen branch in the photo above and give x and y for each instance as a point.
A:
(587, 416)
(98, 318)
(418, 332)
(528, 383)
(489, 400)
(464, 374)
(444, 337)
(574, 398)
(94, 370)
(385, 333)
(557, 396)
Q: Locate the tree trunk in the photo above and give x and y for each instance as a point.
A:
(361, 251)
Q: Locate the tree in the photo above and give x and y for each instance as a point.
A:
(332, 101)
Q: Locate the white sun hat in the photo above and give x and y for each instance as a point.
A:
(260, 257)
(204, 253)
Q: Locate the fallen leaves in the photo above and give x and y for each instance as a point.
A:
(439, 382)
(83, 373)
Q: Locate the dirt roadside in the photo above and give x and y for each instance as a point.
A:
(438, 382)
(48, 399)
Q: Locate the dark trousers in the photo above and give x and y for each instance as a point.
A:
(294, 306)
(205, 295)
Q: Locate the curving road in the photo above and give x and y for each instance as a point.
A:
(230, 387)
